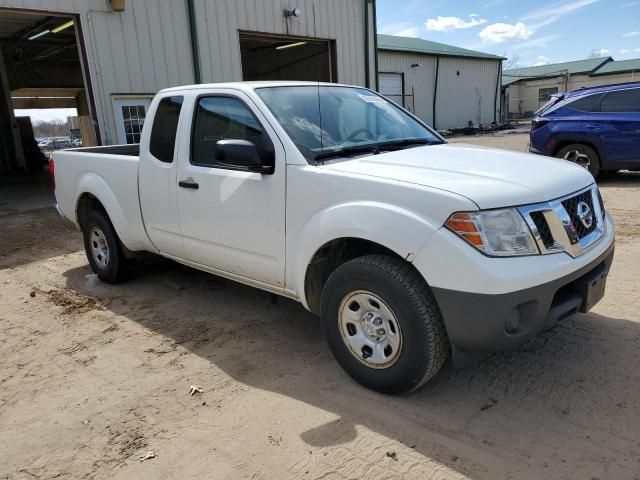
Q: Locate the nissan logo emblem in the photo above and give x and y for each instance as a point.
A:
(585, 215)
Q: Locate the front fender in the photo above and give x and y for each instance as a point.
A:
(398, 229)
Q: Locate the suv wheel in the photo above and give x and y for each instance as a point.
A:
(383, 324)
(582, 155)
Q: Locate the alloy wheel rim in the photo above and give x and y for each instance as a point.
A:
(578, 158)
(99, 247)
(369, 329)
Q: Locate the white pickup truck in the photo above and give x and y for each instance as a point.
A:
(409, 249)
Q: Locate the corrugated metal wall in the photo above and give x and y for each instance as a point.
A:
(467, 92)
(421, 79)
(147, 47)
(219, 22)
(472, 95)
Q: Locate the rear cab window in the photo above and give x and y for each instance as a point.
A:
(165, 128)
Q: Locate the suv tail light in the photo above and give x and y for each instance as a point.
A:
(52, 172)
(536, 124)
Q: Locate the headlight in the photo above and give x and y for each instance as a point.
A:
(500, 233)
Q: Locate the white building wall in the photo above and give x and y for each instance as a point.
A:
(220, 21)
(420, 79)
(147, 47)
(467, 92)
(472, 95)
(523, 96)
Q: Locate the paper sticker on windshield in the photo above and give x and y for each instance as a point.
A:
(372, 98)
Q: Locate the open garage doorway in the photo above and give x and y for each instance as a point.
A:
(267, 57)
(42, 74)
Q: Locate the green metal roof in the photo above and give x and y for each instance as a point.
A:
(427, 47)
(620, 66)
(553, 69)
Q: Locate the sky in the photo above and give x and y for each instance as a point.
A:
(529, 33)
(46, 114)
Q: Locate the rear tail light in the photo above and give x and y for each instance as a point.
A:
(536, 124)
(52, 172)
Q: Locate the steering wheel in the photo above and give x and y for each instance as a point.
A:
(360, 131)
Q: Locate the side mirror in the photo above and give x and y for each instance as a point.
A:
(241, 154)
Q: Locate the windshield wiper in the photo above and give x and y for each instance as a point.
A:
(408, 142)
(348, 151)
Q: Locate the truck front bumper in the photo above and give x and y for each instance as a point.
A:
(485, 323)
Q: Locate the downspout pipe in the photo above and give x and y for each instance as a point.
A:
(367, 52)
(375, 46)
(193, 34)
(435, 92)
(497, 107)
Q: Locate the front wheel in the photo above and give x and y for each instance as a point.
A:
(582, 155)
(382, 324)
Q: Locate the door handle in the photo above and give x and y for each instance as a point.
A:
(188, 183)
(593, 126)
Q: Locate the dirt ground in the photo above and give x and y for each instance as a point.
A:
(95, 377)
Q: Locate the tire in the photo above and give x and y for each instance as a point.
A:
(570, 152)
(103, 249)
(410, 313)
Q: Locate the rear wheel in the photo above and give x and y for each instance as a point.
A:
(582, 155)
(383, 324)
(103, 249)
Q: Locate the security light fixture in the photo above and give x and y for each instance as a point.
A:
(290, 45)
(292, 12)
(39, 34)
(62, 26)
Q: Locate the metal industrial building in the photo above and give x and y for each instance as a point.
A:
(525, 90)
(446, 86)
(108, 57)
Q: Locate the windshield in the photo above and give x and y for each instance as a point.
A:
(326, 121)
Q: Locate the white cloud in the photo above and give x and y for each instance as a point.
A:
(541, 60)
(472, 15)
(554, 12)
(636, 50)
(624, 51)
(601, 52)
(502, 32)
(444, 24)
(407, 32)
(539, 42)
(631, 34)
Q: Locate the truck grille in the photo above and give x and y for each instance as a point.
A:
(543, 228)
(570, 224)
(571, 206)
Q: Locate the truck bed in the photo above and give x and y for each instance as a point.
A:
(110, 174)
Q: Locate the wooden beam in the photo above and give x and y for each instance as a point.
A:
(43, 102)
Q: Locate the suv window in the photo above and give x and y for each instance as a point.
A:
(165, 128)
(622, 101)
(221, 118)
(589, 103)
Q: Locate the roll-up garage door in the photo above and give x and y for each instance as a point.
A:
(391, 86)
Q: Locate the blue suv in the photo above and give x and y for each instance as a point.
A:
(596, 127)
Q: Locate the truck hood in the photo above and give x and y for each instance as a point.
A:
(489, 177)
